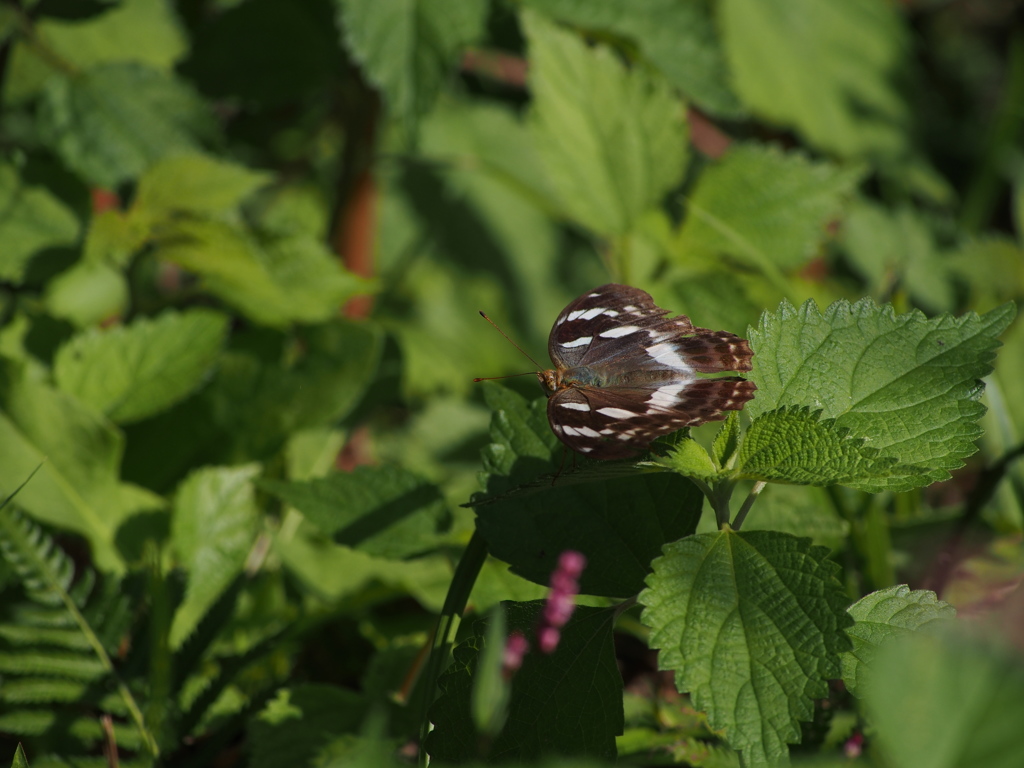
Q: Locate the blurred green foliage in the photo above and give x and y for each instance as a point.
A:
(243, 244)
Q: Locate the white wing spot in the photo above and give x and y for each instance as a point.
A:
(588, 432)
(630, 308)
(590, 314)
(622, 330)
(665, 397)
(616, 413)
(610, 313)
(575, 406)
(593, 295)
(667, 355)
(577, 342)
(584, 449)
(570, 430)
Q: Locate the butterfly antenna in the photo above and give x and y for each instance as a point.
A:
(485, 317)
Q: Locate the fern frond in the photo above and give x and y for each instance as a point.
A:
(60, 637)
(57, 664)
(40, 690)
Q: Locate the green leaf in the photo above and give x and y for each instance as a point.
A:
(87, 293)
(825, 68)
(612, 140)
(111, 123)
(905, 384)
(727, 440)
(896, 247)
(941, 701)
(31, 220)
(77, 487)
(134, 371)
(384, 511)
(214, 526)
(751, 623)
(273, 281)
(568, 702)
(408, 47)
(795, 445)
(268, 385)
(690, 459)
(146, 31)
(522, 443)
(763, 206)
(886, 615)
(20, 761)
(195, 183)
(678, 38)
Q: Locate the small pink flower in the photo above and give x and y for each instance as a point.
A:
(854, 746)
(561, 600)
(547, 638)
(516, 648)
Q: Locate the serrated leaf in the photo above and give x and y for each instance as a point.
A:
(273, 281)
(110, 123)
(940, 701)
(825, 68)
(751, 623)
(195, 183)
(385, 511)
(134, 371)
(677, 38)
(688, 458)
(522, 443)
(77, 486)
(568, 702)
(906, 384)
(31, 220)
(886, 615)
(795, 445)
(213, 528)
(613, 140)
(408, 47)
(763, 206)
(727, 440)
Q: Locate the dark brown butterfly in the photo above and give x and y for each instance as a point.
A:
(625, 373)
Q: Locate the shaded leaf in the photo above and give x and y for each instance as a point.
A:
(568, 702)
(195, 183)
(384, 511)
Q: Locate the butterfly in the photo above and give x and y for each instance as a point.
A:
(626, 373)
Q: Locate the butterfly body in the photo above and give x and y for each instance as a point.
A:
(625, 373)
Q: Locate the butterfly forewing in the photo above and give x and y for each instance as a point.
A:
(627, 374)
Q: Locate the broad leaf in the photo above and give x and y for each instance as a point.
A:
(886, 615)
(905, 384)
(88, 293)
(273, 281)
(751, 623)
(408, 47)
(612, 139)
(825, 68)
(941, 701)
(213, 528)
(133, 371)
(110, 123)
(31, 220)
(195, 183)
(383, 511)
(77, 486)
(763, 206)
(568, 702)
(677, 38)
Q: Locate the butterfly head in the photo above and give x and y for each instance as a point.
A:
(551, 381)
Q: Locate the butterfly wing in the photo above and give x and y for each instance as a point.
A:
(619, 422)
(648, 366)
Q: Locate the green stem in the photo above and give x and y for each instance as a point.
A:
(455, 602)
(748, 503)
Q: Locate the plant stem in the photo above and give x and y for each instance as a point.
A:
(748, 503)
